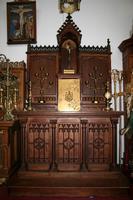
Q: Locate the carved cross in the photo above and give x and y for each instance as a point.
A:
(42, 76)
(95, 77)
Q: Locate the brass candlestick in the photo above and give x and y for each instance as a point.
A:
(15, 98)
(120, 94)
(114, 76)
(9, 85)
(108, 97)
(1, 98)
(117, 81)
(30, 98)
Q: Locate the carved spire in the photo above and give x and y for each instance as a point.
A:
(69, 28)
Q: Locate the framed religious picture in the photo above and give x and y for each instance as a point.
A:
(21, 22)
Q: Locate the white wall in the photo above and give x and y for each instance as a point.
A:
(97, 20)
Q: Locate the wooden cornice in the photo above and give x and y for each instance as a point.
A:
(97, 49)
(32, 48)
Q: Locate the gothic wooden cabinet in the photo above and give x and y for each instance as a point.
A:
(53, 141)
(68, 127)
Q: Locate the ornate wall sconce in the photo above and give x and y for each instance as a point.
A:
(69, 6)
(8, 88)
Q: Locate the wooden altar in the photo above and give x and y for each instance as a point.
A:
(68, 84)
(68, 138)
(83, 141)
(69, 154)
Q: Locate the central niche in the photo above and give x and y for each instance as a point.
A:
(69, 94)
(68, 57)
(69, 39)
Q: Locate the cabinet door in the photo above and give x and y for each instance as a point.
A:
(68, 145)
(42, 71)
(95, 74)
(99, 144)
(39, 145)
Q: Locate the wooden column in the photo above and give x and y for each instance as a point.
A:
(114, 122)
(53, 126)
(84, 129)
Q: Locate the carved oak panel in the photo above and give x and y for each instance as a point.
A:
(39, 145)
(69, 141)
(94, 76)
(99, 144)
(42, 73)
(68, 145)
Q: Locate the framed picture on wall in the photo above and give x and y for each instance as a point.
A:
(21, 22)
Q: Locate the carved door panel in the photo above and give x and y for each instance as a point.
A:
(95, 74)
(68, 145)
(39, 145)
(99, 144)
(43, 70)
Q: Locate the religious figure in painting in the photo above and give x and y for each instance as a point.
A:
(24, 17)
